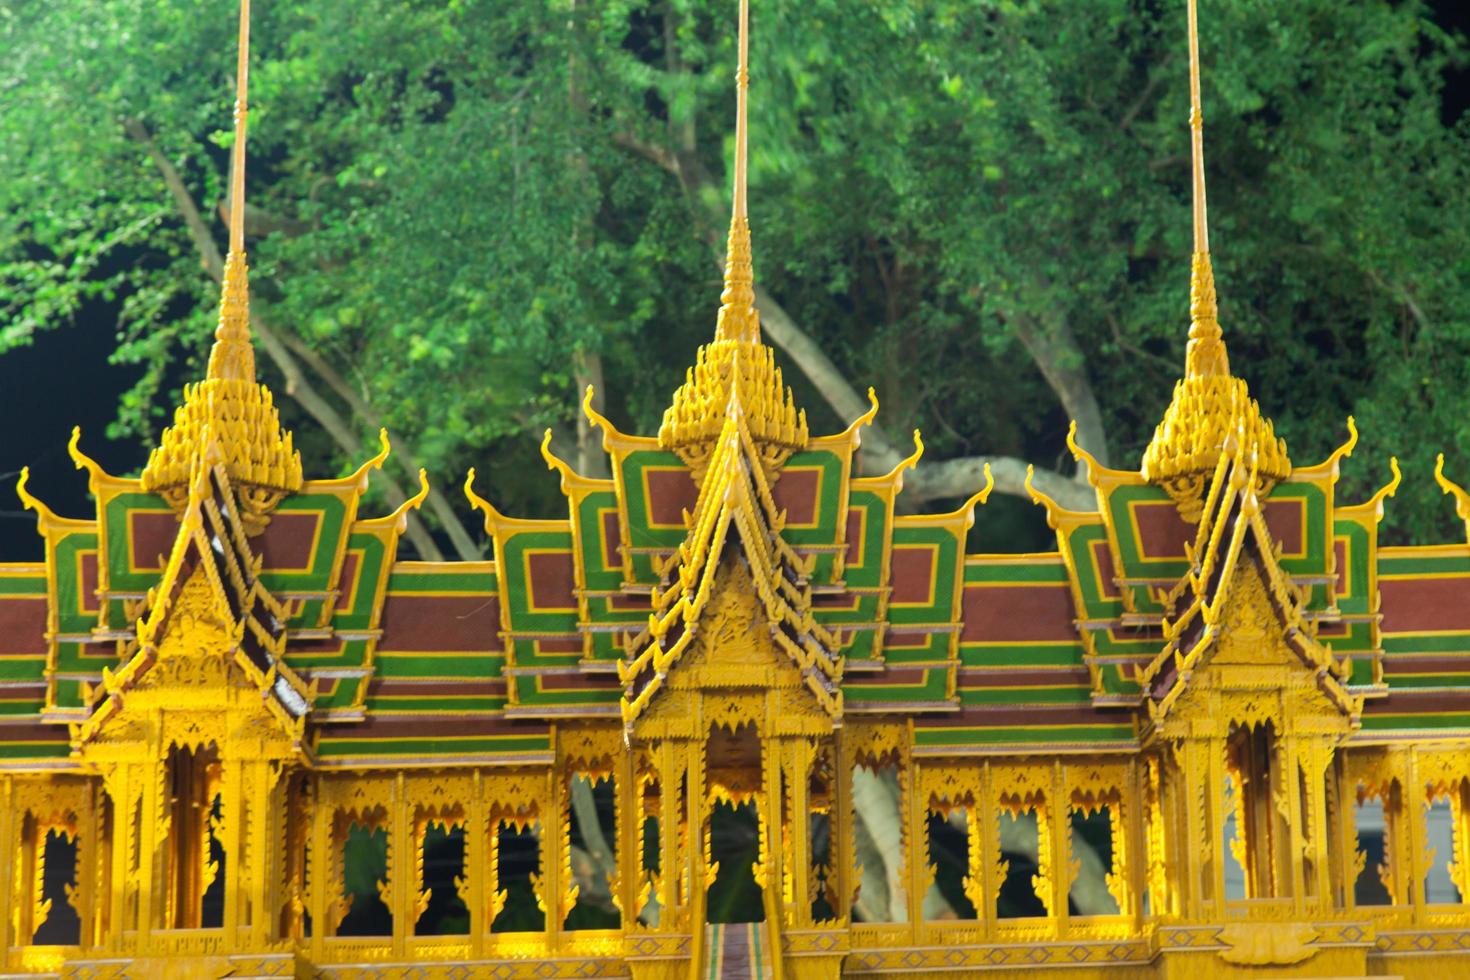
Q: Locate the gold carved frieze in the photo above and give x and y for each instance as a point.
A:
(1019, 786)
(876, 743)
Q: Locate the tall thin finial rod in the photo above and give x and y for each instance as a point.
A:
(738, 319)
(1197, 132)
(742, 84)
(1205, 355)
(237, 158)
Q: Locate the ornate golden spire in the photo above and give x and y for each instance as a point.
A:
(1205, 354)
(229, 407)
(737, 364)
(1209, 406)
(738, 319)
(233, 357)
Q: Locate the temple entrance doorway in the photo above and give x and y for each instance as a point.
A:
(733, 759)
(735, 901)
(734, 894)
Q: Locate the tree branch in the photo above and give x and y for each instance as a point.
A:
(961, 477)
(1057, 354)
(660, 156)
(1155, 78)
(464, 545)
(259, 222)
(297, 388)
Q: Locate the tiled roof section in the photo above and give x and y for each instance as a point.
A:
(1425, 609)
(735, 495)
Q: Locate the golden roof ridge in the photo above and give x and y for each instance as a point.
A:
(735, 493)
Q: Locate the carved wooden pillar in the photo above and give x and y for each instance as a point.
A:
(1122, 875)
(625, 833)
(844, 845)
(118, 782)
(774, 857)
(152, 846)
(1343, 845)
(8, 877)
(320, 862)
(556, 855)
(401, 861)
(669, 779)
(91, 860)
(476, 837)
(1416, 822)
(1397, 833)
(1058, 824)
(696, 866)
(23, 888)
(233, 807)
(297, 805)
(1317, 765)
(798, 775)
(1131, 825)
(1290, 754)
(1215, 853)
(915, 839)
(1460, 828)
(985, 850)
(1201, 813)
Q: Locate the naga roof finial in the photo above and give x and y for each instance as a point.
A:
(1209, 406)
(228, 406)
(736, 364)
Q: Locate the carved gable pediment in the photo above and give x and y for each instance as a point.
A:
(1253, 666)
(734, 672)
(207, 661)
(1251, 634)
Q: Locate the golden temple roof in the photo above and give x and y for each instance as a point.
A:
(735, 496)
(1231, 539)
(229, 403)
(734, 423)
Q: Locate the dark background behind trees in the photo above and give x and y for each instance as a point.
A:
(461, 213)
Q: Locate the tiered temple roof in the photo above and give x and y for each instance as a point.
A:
(989, 652)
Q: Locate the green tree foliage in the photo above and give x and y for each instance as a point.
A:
(463, 211)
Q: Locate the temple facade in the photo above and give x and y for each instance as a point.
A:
(1216, 732)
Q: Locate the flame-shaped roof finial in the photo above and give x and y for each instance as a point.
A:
(233, 356)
